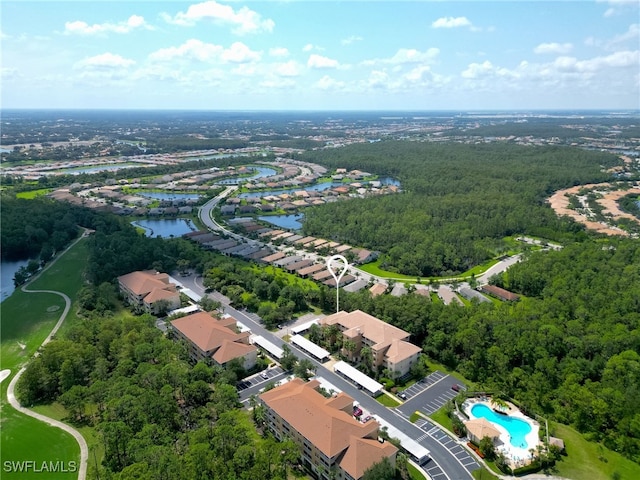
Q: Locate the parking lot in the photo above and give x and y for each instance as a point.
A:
(429, 394)
(263, 377)
(463, 456)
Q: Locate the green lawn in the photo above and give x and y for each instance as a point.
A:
(33, 193)
(27, 439)
(374, 269)
(414, 473)
(590, 460)
(96, 447)
(387, 401)
(27, 319)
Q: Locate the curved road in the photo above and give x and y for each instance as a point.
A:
(84, 450)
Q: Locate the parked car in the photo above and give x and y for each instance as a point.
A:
(455, 388)
(264, 375)
(402, 395)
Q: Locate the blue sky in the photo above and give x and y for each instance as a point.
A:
(321, 55)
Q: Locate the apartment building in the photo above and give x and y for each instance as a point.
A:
(333, 443)
(214, 340)
(149, 290)
(390, 346)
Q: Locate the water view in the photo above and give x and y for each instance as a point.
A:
(260, 172)
(517, 429)
(7, 270)
(169, 196)
(318, 187)
(166, 228)
(101, 168)
(290, 222)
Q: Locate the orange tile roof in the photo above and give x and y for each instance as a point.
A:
(378, 289)
(399, 350)
(230, 350)
(369, 326)
(206, 332)
(159, 294)
(363, 453)
(141, 283)
(307, 411)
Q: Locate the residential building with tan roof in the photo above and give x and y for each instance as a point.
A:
(390, 346)
(214, 339)
(332, 442)
(149, 290)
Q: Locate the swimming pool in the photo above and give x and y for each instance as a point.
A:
(517, 429)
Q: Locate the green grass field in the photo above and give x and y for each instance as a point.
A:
(591, 460)
(27, 319)
(387, 401)
(33, 193)
(27, 439)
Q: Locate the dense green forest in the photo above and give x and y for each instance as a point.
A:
(39, 227)
(460, 201)
(156, 415)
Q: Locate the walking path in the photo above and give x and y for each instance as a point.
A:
(84, 450)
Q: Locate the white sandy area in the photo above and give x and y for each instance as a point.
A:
(4, 374)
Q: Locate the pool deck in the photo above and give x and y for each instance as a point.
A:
(518, 457)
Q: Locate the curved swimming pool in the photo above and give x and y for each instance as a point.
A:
(517, 429)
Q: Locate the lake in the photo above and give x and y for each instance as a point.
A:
(290, 222)
(260, 172)
(7, 270)
(169, 196)
(166, 228)
(316, 187)
(102, 168)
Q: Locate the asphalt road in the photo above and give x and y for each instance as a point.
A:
(444, 464)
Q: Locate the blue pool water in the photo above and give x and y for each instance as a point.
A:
(517, 429)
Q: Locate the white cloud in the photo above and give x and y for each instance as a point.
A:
(417, 74)
(310, 46)
(328, 83)
(411, 55)
(318, 61)
(8, 73)
(79, 27)
(351, 39)
(105, 61)
(623, 59)
(557, 48)
(278, 83)
(406, 56)
(617, 7)
(632, 33)
(288, 69)
(451, 22)
(246, 70)
(279, 52)
(242, 21)
(487, 69)
(240, 53)
(192, 49)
